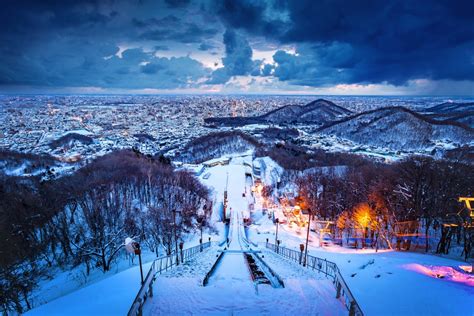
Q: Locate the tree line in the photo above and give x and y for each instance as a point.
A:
(375, 198)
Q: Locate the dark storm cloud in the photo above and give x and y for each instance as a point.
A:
(391, 41)
(206, 46)
(74, 43)
(177, 3)
(237, 60)
(172, 28)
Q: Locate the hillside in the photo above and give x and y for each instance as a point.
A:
(398, 128)
(451, 111)
(215, 145)
(451, 107)
(318, 112)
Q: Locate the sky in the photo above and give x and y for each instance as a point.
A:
(367, 47)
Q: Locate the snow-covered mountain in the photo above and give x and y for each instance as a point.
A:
(398, 128)
(451, 111)
(317, 112)
(451, 107)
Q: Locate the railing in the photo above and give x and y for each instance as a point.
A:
(157, 267)
(205, 281)
(329, 269)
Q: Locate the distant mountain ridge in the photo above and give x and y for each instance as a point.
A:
(316, 112)
(451, 111)
(451, 107)
(398, 128)
(447, 125)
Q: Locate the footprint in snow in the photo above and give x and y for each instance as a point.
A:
(377, 276)
(353, 274)
(367, 264)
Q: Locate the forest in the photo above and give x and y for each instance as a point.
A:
(84, 218)
(413, 200)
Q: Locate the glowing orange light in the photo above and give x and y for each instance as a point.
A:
(363, 215)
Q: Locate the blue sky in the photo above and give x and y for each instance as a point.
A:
(308, 47)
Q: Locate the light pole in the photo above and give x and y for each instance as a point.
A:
(277, 221)
(307, 238)
(175, 236)
(133, 247)
(138, 252)
(200, 221)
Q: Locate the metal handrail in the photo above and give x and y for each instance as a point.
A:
(157, 267)
(329, 269)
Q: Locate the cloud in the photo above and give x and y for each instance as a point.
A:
(389, 41)
(177, 3)
(206, 46)
(172, 28)
(336, 43)
(136, 69)
(237, 60)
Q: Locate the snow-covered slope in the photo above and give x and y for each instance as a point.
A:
(451, 107)
(398, 128)
(317, 112)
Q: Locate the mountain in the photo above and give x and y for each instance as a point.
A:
(451, 107)
(466, 118)
(318, 112)
(451, 111)
(398, 128)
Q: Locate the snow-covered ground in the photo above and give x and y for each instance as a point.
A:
(387, 282)
(384, 283)
(232, 292)
(112, 296)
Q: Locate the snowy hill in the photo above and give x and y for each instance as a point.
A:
(453, 112)
(398, 128)
(217, 144)
(451, 107)
(317, 112)
(25, 165)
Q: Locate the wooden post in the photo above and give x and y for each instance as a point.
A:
(352, 309)
(141, 268)
(150, 289)
(338, 289)
(301, 252)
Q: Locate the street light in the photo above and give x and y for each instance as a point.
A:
(175, 236)
(277, 221)
(200, 220)
(134, 247)
(307, 238)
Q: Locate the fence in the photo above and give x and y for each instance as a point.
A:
(329, 269)
(157, 267)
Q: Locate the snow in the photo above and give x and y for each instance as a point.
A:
(384, 282)
(112, 296)
(231, 290)
(396, 283)
(387, 282)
